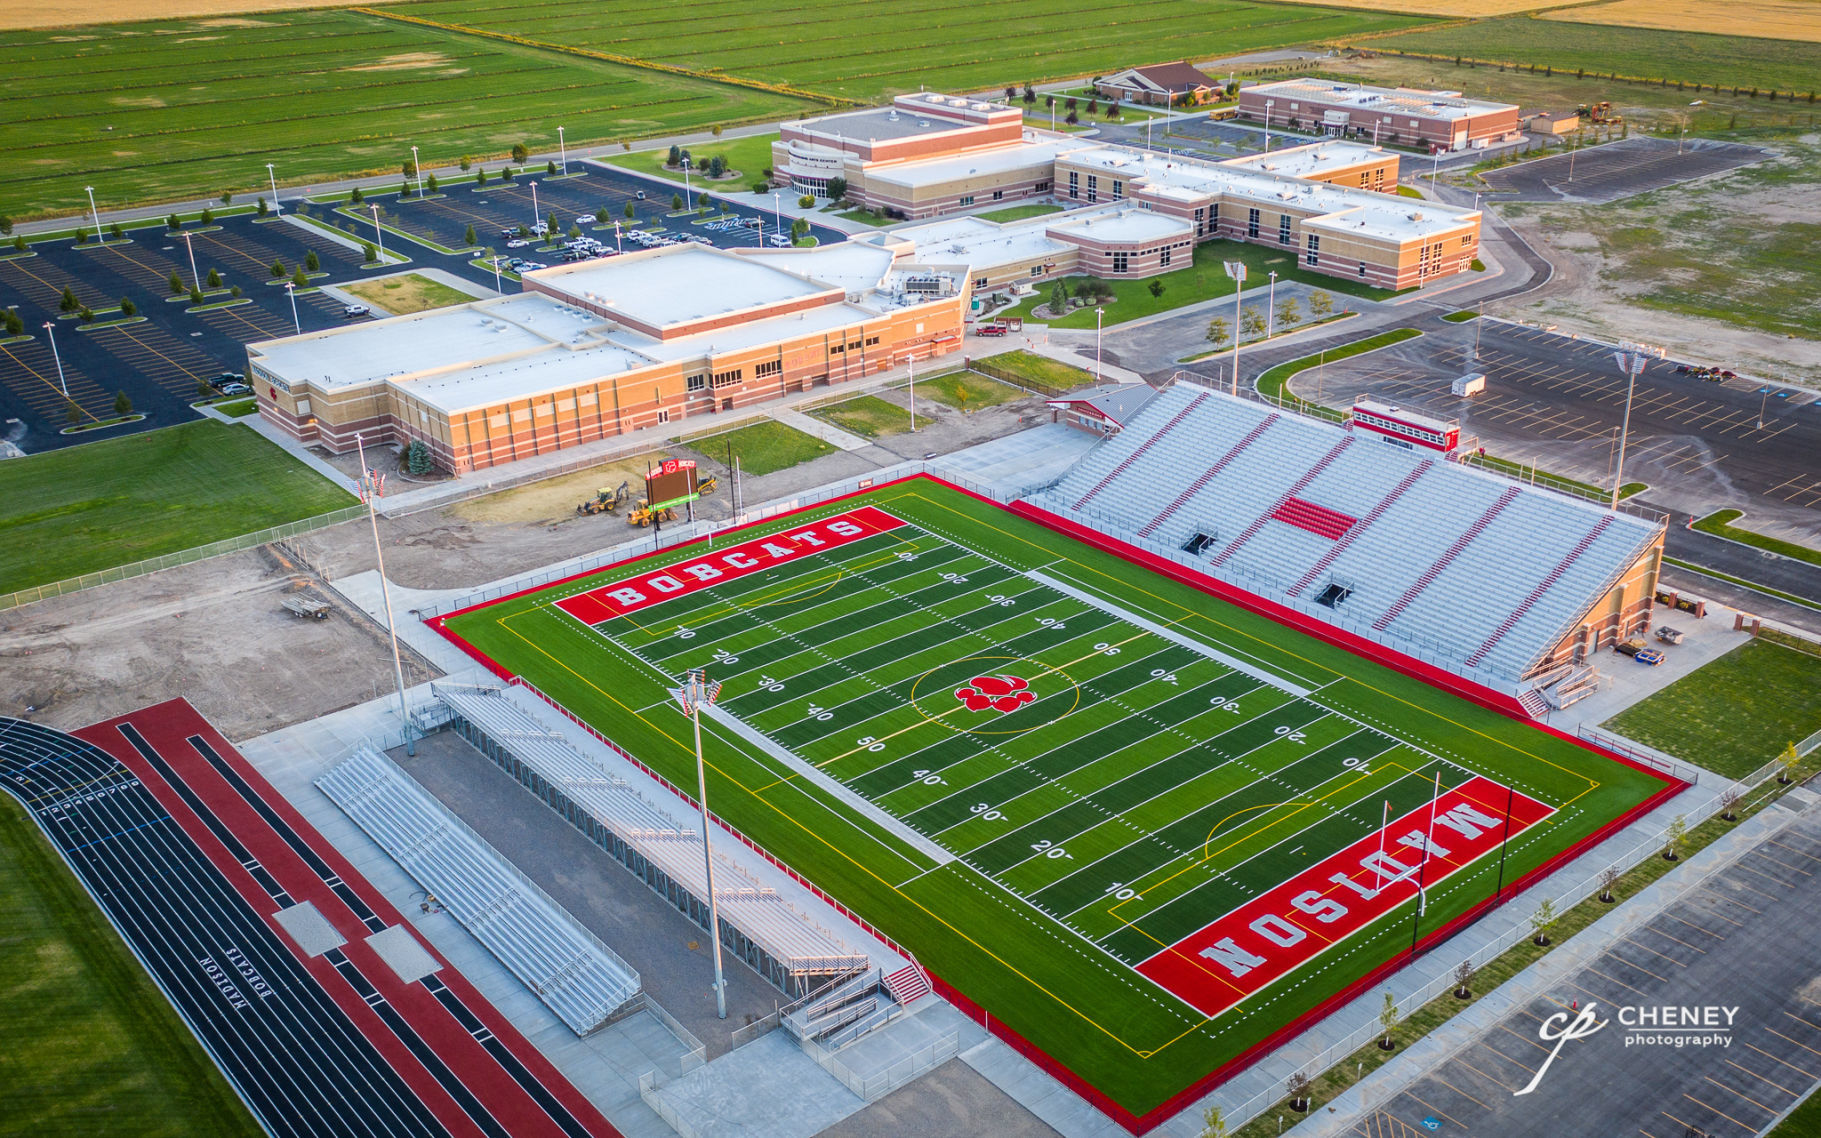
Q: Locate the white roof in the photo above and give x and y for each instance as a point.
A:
(746, 334)
(851, 265)
(997, 160)
(1130, 224)
(677, 285)
(1311, 160)
(409, 345)
(1397, 100)
(976, 243)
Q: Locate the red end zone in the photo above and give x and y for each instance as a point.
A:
(709, 569)
(1285, 927)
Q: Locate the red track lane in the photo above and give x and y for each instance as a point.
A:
(1294, 922)
(168, 727)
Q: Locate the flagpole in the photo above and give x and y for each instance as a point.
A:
(694, 691)
(1504, 842)
(1422, 869)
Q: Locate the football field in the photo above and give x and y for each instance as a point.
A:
(1144, 829)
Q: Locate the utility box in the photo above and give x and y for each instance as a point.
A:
(1470, 384)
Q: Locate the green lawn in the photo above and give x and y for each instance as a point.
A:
(1785, 65)
(860, 651)
(864, 217)
(750, 156)
(238, 408)
(870, 417)
(407, 293)
(1735, 713)
(1461, 317)
(1203, 279)
(1719, 523)
(91, 507)
(1018, 212)
(947, 45)
(763, 447)
(92, 1046)
(178, 109)
(1039, 372)
(1803, 1122)
(965, 391)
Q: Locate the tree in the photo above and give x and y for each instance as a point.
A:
(676, 201)
(15, 324)
(1214, 1124)
(368, 253)
(404, 190)
(1788, 763)
(1252, 321)
(631, 212)
(506, 175)
(215, 278)
(127, 307)
(73, 413)
(259, 208)
(122, 404)
(68, 302)
(1155, 287)
(85, 314)
(1011, 93)
(1675, 838)
(234, 292)
(1289, 313)
(675, 156)
(467, 162)
(430, 183)
(356, 196)
(574, 231)
(1608, 878)
(1049, 102)
(300, 278)
(524, 231)
(519, 153)
(227, 197)
(1463, 979)
(1070, 103)
(1320, 304)
(1030, 96)
(208, 216)
(1059, 299)
(1298, 1087)
(195, 295)
(6, 225)
(551, 223)
(173, 223)
(82, 237)
(1388, 1017)
(278, 270)
(1218, 331)
(807, 201)
(799, 229)
(1071, 118)
(717, 166)
(116, 232)
(469, 237)
(417, 458)
(1093, 106)
(550, 168)
(1541, 922)
(1112, 111)
(480, 177)
(176, 284)
(715, 130)
(19, 243)
(1729, 805)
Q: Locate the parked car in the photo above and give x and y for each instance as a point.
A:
(226, 378)
(517, 243)
(585, 219)
(235, 389)
(779, 241)
(640, 195)
(356, 310)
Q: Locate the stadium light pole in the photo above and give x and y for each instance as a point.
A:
(562, 150)
(291, 291)
(1236, 270)
(50, 330)
(378, 234)
(1271, 309)
(95, 213)
(272, 176)
(1631, 360)
(1099, 317)
(1478, 323)
(371, 491)
(911, 363)
(696, 690)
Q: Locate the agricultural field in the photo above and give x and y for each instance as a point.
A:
(865, 54)
(1451, 9)
(92, 507)
(1769, 19)
(1730, 60)
(184, 109)
(1133, 822)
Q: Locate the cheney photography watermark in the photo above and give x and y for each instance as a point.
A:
(1644, 1025)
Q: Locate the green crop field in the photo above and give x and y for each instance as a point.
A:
(948, 45)
(190, 108)
(1731, 61)
(83, 509)
(1044, 770)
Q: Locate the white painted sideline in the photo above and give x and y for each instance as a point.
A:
(1170, 634)
(751, 735)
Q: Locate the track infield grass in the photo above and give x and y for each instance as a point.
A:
(1177, 757)
(92, 507)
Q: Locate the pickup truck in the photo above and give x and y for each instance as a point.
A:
(990, 330)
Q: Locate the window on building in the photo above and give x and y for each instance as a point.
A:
(1093, 187)
(1074, 184)
(1201, 222)
(695, 382)
(729, 378)
(872, 341)
(1467, 241)
(1163, 258)
(1313, 253)
(1118, 190)
(768, 368)
(1036, 270)
(1214, 217)
(1362, 268)
(979, 282)
(853, 346)
(998, 195)
(1119, 262)
(968, 200)
(1251, 223)
(1283, 229)
(837, 349)
(1042, 188)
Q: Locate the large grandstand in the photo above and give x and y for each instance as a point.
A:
(1504, 584)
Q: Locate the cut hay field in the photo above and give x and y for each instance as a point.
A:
(173, 110)
(1768, 19)
(1730, 60)
(49, 14)
(1451, 9)
(947, 45)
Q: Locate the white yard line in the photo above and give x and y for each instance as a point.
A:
(1171, 635)
(828, 783)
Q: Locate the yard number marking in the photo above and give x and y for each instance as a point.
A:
(1291, 734)
(1050, 849)
(1051, 623)
(819, 714)
(985, 810)
(929, 778)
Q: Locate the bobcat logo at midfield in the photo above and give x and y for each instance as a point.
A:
(998, 693)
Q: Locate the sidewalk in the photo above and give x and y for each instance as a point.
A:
(816, 428)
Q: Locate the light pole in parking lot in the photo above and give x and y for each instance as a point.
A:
(534, 217)
(1236, 270)
(291, 291)
(417, 172)
(1631, 360)
(1479, 322)
(618, 245)
(1271, 309)
(272, 176)
(689, 197)
(1269, 103)
(195, 281)
(497, 287)
(378, 234)
(562, 149)
(50, 330)
(777, 208)
(696, 690)
(93, 212)
(1099, 315)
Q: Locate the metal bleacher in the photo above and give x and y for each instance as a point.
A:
(570, 970)
(1451, 564)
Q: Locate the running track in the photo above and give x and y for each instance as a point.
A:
(190, 852)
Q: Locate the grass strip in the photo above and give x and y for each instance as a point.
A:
(1274, 384)
(1754, 586)
(1719, 524)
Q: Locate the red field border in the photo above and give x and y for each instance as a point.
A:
(1499, 702)
(178, 734)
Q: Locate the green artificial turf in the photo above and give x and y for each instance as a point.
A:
(1734, 714)
(67, 512)
(763, 447)
(91, 1045)
(831, 660)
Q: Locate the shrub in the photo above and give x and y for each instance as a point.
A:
(676, 201)
(173, 223)
(68, 302)
(430, 183)
(807, 201)
(278, 270)
(417, 458)
(259, 208)
(675, 155)
(122, 404)
(368, 252)
(1155, 287)
(6, 225)
(82, 237)
(176, 285)
(127, 307)
(356, 196)
(299, 278)
(761, 187)
(234, 292)
(480, 177)
(208, 216)
(311, 261)
(519, 153)
(116, 232)
(215, 278)
(550, 166)
(85, 314)
(469, 237)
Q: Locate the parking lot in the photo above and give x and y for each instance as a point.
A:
(1560, 400)
(1742, 940)
(1617, 170)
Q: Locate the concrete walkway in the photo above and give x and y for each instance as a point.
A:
(827, 432)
